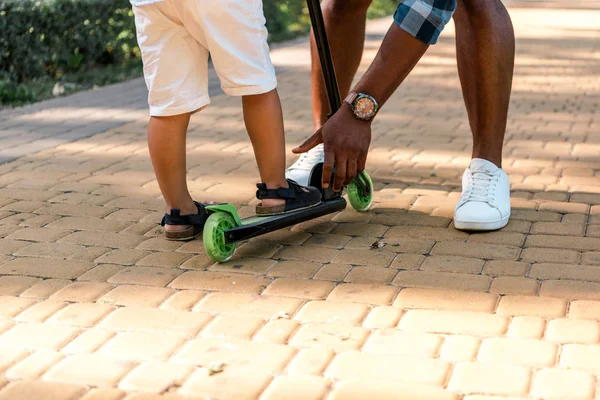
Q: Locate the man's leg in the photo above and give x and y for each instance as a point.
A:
(345, 22)
(485, 47)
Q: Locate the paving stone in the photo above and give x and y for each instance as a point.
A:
(460, 348)
(260, 356)
(532, 306)
(452, 264)
(296, 388)
(88, 342)
(356, 390)
(25, 390)
(248, 265)
(38, 234)
(294, 269)
(526, 327)
(81, 314)
(220, 281)
(476, 250)
(473, 323)
(122, 256)
(150, 276)
(156, 377)
(575, 290)
(247, 304)
(104, 239)
(15, 285)
(363, 293)
(569, 330)
(581, 357)
(333, 272)
(437, 299)
(149, 319)
(89, 370)
(82, 291)
(485, 378)
(442, 280)
(355, 365)
(232, 383)
(586, 309)
(183, 300)
(558, 383)
(232, 327)
(328, 311)
(141, 346)
(512, 351)
(277, 331)
(302, 288)
(38, 336)
(34, 365)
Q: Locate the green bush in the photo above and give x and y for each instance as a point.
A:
(53, 37)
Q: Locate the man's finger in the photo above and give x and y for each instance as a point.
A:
(327, 168)
(311, 142)
(361, 162)
(351, 170)
(340, 174)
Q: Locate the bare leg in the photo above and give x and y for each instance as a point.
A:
(485, 45)
(166, 142)
(345, 22)
(264, 121)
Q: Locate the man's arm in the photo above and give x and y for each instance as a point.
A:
(347, 138)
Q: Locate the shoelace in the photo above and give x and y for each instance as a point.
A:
(308, 159)
(481, 186)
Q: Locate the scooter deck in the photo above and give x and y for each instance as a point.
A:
(256, 226)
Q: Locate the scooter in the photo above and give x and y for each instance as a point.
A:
(224, 228)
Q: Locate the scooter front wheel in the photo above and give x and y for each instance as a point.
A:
(214, 236)
(360, 192)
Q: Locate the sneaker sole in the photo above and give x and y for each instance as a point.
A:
(481, 226)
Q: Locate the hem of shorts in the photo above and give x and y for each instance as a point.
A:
(145, 3)
(250, 90)
(196, 106)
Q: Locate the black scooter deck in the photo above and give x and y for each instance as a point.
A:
(256, 226)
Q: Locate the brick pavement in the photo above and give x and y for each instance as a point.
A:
(95, 304)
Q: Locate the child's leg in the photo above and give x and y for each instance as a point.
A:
(166, 141)
(264, 122)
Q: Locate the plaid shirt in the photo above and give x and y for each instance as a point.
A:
(424, 19)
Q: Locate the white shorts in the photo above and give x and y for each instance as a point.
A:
(176, 37)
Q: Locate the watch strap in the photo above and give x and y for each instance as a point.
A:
(351, 97)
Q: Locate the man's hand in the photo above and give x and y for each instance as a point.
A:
(346, 141)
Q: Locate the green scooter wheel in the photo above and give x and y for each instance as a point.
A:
(360, 192)
(214, 237)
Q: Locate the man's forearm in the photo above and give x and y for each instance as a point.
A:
(417, 24)
(398, 55)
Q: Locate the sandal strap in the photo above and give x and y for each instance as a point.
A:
(175, 217)
(279, 193)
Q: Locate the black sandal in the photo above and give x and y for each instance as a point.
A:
(296, 198)
(196, 222)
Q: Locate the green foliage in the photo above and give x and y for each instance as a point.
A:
(92, 42)
(41, 38)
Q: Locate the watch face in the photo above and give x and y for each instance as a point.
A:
(364, 107)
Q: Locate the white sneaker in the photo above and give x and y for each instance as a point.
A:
(302, 169)
(485, 201)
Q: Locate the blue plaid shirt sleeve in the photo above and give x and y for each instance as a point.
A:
(424, 19)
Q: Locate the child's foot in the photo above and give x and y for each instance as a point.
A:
(282, 200)
(184, 227)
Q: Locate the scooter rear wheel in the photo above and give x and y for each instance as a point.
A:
(214, 236)
(360, 192)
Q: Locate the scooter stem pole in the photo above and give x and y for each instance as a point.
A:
(331, 85)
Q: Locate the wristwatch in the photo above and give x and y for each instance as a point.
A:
(364, 106)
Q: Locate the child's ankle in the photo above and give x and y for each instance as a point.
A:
(277, 184)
